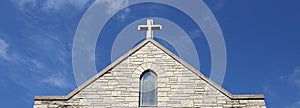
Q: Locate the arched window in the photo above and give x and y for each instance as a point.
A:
(148, 89)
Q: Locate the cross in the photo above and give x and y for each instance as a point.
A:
(149, 27)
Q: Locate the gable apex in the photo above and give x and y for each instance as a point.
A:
(166, 51)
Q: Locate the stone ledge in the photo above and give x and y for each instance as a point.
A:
(248, 97)
(52, 98)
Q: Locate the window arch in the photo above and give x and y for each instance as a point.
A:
(148, 89)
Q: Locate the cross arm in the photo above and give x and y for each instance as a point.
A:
(142, 27)
(156, 27)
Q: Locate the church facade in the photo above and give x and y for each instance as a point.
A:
(149, 75)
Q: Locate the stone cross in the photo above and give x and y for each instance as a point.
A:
(149, 27)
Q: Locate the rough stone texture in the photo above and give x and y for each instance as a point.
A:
(177, 85)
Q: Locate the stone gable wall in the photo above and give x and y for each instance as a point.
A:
(177, 86)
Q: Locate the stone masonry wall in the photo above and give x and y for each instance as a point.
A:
(177, 86)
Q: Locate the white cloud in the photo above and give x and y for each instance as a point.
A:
(58, 4)
(114, 5)
(25, 3)
(37, 64)
(294, 105)
(294, 78)
(3, 49)
(46, 6)
(2, 83)
(49, 5)
(267, 90)
(217, 4)
(57, 80)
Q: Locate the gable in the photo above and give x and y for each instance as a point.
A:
(178, 82)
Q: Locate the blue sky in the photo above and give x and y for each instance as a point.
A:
(262, 42)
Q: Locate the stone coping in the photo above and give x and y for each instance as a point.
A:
(132, 51)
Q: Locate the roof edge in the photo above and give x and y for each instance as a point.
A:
(59, 98)
(202, 76)
(93, 78)
(248, 97)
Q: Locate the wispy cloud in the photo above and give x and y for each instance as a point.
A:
(114, 5)
(3, 49)
(58, 4)
(25, 3)
(295, 105)
(294, 78)
(196, 33)
(267, 90)
(219, 4)
(124, 14)
(44, 55)
(2, 83)
(30, 7)
(49, 5)
(216, 4)
(57, 80)
(37, 64)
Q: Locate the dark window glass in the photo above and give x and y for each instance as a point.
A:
(148, 89)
